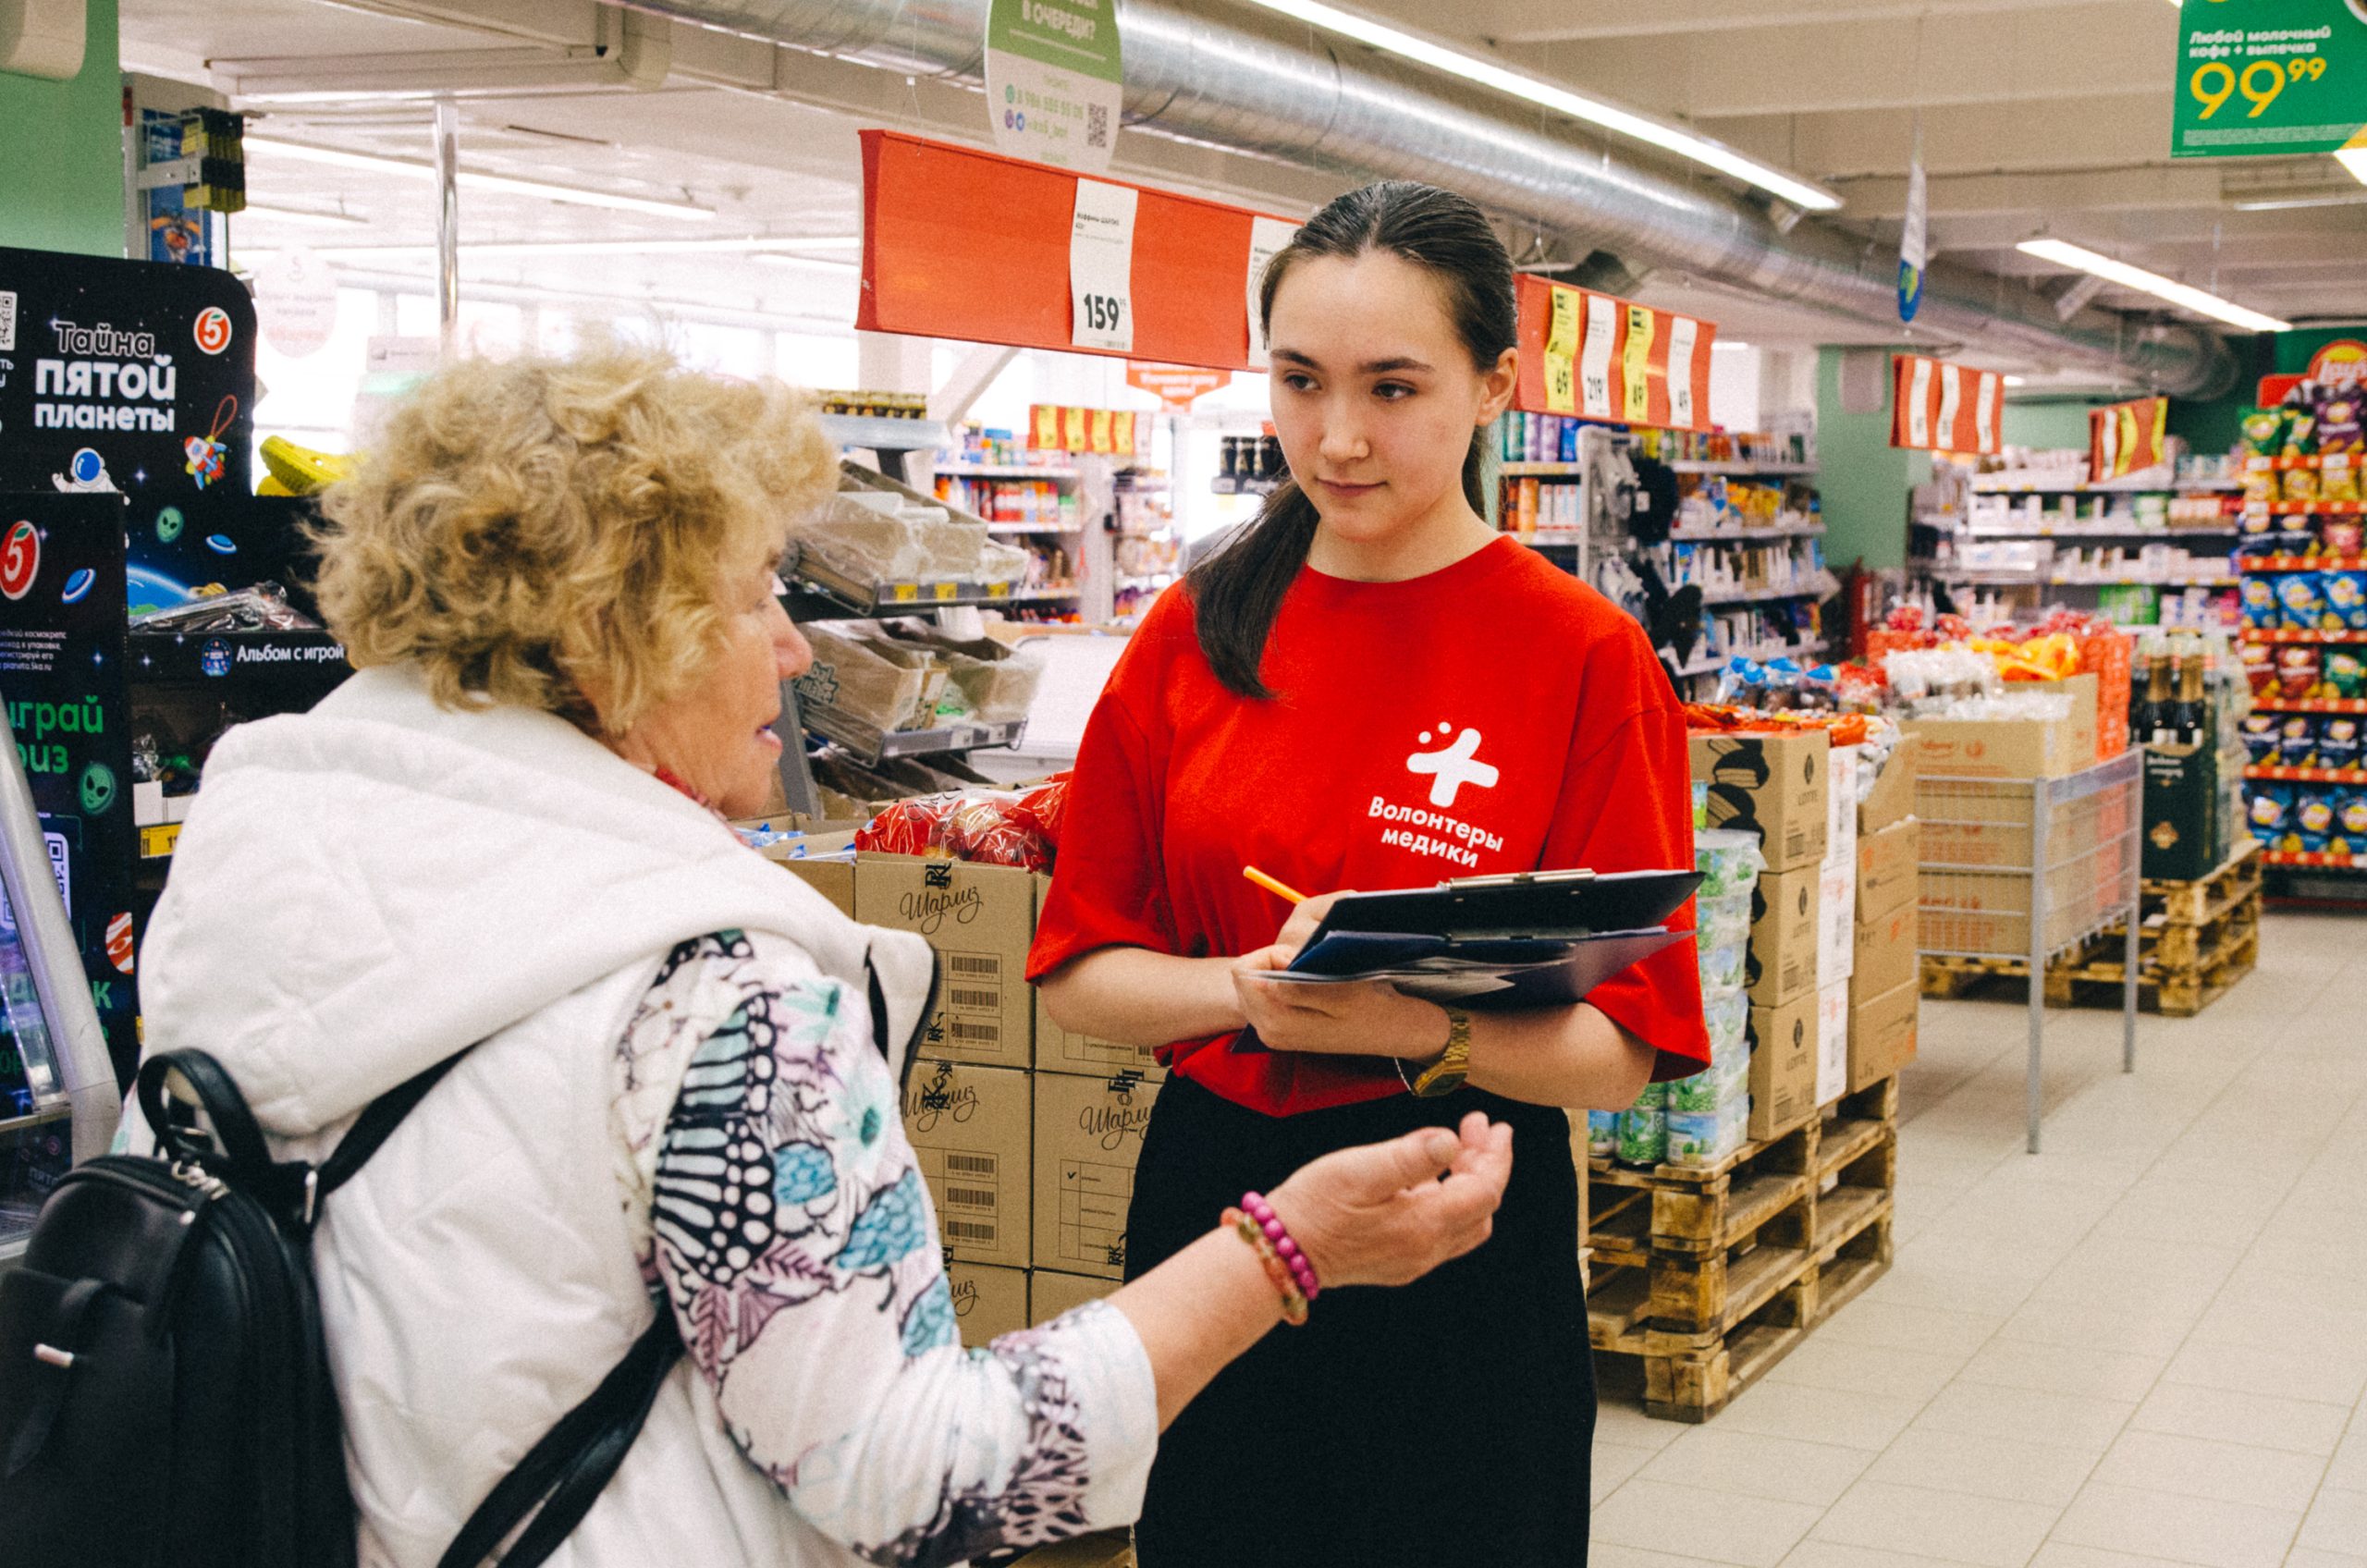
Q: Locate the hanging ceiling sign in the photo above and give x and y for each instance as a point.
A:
(2260, 77)
(1054, 80)
(1937, 407)
(2126, 437)
(1178, 386)
(1597, 357)
(968, 245)
(1914, 240)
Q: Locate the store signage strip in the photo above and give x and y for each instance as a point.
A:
(1594, 365)
(1055, 81)
(2126, 437)
(2262, 77)
(1101, 267)
(1682, 336)
(1938, 406)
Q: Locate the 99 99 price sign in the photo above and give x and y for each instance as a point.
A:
(2262, 76)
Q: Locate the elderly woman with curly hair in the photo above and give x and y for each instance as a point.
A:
(679, 1069)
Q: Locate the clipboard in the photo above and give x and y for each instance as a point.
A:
(1557, 906)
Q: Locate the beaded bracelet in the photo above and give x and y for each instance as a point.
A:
(1257, 1208)
(1278, 1273)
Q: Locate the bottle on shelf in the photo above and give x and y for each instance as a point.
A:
(2140, 701)
(2193, 709)
(2161, 702)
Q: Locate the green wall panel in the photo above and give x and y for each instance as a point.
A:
(1864, 480)
(64, 186)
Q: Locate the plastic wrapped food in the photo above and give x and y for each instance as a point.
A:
(1698, 1138)
(1729, 861)
(2297, 741)
(1643, 1135)
(1727, 1017)
(2350, 822)
(1602, 1133)
(2312, 819)
(1722, 963)
(1723, 1083)
(2261, 733)
(2344, 673)
(2263, 432)
(2299, 670)
(2345, 600)
(989, 827)
(2261, 608)
(1722, 918)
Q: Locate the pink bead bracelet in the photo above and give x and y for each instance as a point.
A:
(1262, 1213)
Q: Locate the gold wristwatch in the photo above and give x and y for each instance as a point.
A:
(1450, 1067)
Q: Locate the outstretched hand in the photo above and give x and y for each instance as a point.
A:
(1383, 1214)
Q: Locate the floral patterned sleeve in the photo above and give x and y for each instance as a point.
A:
(779, 1209)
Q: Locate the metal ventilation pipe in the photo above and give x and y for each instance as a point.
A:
(1295, 98)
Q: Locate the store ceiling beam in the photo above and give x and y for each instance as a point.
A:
(2040, 137)
(1286, 94)
(1525, 22)
(632, 51)
(2139, 188)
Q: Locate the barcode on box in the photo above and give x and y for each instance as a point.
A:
(960, 995)
(970, 1197)
(979, 1230)
(971, 1165)
(972, 963)
(964, 1030)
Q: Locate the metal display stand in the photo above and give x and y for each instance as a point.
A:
(2030, 868)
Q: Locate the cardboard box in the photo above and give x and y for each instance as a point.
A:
(982, 919)
(1885, 957)
(1837, 924)
(2008, 748)
(988, 1301)
(1841, 806)
(1783, 1065)
(973, 1131)
(1832, 1043)
(1774, 785)
(1088, 1134)
(1784, 934)
(1893, 795)
(2183, 837)
(1962, 824)
(1882, 1034)
(1058, 1050)
(1051, 1292)
(834, 879)
(1887, 868)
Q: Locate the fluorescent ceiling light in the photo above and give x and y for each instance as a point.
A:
(1594, 111)
(2295, 204)
(2062, 254)
(305, 215)
(763, 248)
(1729, 345)
(2024, 380)
(477, 179)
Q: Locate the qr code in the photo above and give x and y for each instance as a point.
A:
(1097, 124)
(7, 320)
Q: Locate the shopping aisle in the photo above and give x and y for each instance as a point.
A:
(2148, 1345)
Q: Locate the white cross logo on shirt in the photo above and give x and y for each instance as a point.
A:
(1452, 766)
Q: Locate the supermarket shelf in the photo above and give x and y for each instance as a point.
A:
(2302, 563)
(2311, 460)
(2310, 704)
(1034, 528)
(2299, 634)
(1707, 666)
(1991, 486)
(1511, 469)
(819, 593)
(1758, 596)
(1000, 471)
(2308, 775)
(2307, 509)
(2316, 859)
(1554, 538)
(2031, 580)
(1742, 470)
(1224, 486)
(1744, 535)
(1958, 525)
(870, 744)
(871, 432)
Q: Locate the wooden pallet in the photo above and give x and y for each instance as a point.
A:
(1712, 1277)
(2167, 949)
(2197, 903)
(2181, 969)
(2173, 995)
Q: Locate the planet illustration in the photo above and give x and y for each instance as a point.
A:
(78, 584)
(222, 544)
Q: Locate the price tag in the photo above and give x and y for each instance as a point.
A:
(1097, 438)
(1918, 404)
(945, 590)
(1561, 352)
(1594, 359)
(1267, 237)
(2108, 444)
(998, 589)
(1985, 411)
(1683, 333)
(1101, 267)
(1636, 364)
(1048, 428)
(1951, 405)
(904, 592)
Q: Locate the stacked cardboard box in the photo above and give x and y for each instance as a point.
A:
(1026, 1134)
(1837, 924)
(1883, 995)
(1780, 786)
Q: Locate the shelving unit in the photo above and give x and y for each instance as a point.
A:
(2301, 634)
(2272, 772)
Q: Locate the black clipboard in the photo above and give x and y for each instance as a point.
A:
(1525, 906)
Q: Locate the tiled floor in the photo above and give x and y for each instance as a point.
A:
(2146, 1346)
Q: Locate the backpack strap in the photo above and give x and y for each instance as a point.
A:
(562, 1475)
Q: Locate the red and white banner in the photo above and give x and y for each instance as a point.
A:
(1939, 407)
(1601, 358)
(2125, 437)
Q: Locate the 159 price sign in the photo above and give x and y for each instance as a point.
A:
(1103, 312)
(2258, 77)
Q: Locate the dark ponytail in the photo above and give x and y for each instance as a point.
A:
(1237, 592)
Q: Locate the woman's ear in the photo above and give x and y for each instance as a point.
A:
(1498, 385)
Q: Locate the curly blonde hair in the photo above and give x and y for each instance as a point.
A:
(529, 532)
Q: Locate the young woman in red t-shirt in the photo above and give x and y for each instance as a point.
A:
(1372, 689)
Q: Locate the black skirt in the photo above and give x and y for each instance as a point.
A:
(1446, 1421)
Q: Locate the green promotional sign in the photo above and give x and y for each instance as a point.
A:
(1055, 81)
(2260, 77)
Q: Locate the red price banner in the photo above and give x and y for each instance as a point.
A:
(1938, 406)
(2126, 437)
(1178, 386)
(1592, 356)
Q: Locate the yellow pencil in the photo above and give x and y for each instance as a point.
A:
(1279, 889)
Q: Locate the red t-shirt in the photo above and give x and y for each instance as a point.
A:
(1497, 716)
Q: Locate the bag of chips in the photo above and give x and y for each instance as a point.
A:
(2302, 595)
(2269, 807)
(2339, 741)
(2312, 820)
(2343, 672)
(2350, 822)
(2297, 741)
(2261, 733)
(2298, 670)
(2338, 479)
(2301, 484)
(2340, 428)
(2343, 535)
(2263, 432)
(2300, 434)
(2258, 533)
(2260, 667)
(2345, 600)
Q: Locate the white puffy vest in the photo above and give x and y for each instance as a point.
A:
(367, 888)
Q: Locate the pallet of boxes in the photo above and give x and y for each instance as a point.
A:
(1731, 1212)
(1026, 1134)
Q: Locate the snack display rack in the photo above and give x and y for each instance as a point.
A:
(1989, 544)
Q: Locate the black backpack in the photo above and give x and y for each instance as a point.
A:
(164, 1394)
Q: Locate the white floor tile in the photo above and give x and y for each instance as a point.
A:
(2261, 1420)
(2326, 1372)
(2165, 1462)
(1750, 1464)
(2140, 1326)
(2016, 1469)
(2101, 1374)
(1618, 1422)
(1612, 1463)
(1890, 1327)
(1821, 1416)
(1815, 1553)
(2184, 1529)
(1604, 1555)
(1693, 1522)
(1951, 1527)
(2349, 1467)
(2337, 1522)
(2310, 1556)
(1985, 1410)
(2063, 1554)
(1869, 1369)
